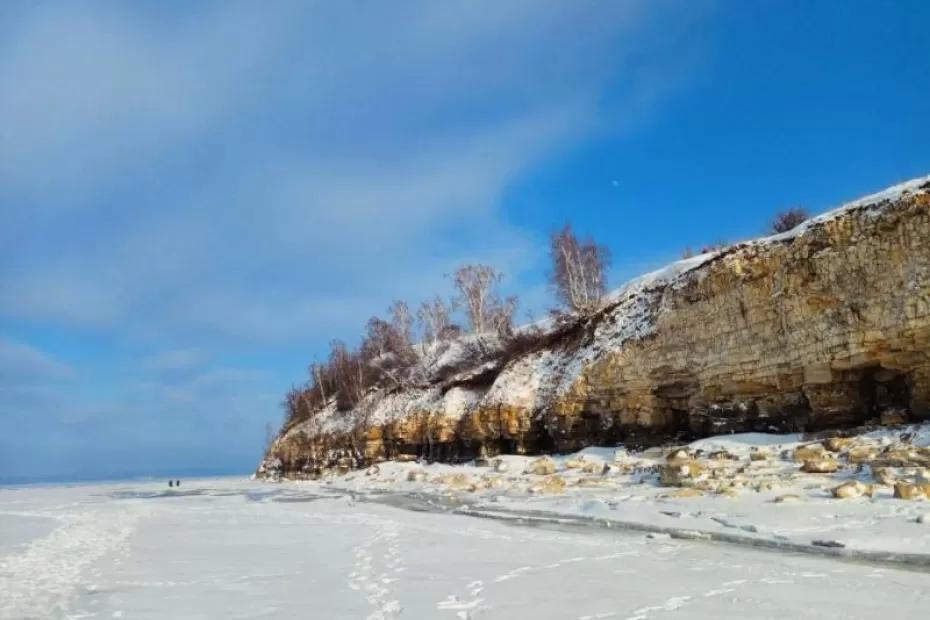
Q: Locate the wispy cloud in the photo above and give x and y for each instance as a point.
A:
(238, 174)
(24, 366)
(100, 88)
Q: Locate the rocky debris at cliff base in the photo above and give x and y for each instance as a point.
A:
(869, 497)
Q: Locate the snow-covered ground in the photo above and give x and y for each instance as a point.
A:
(752, 490)
(226, 548)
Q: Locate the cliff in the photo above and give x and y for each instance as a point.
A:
(825, 326)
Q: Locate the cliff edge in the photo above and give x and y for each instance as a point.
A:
(826, 326)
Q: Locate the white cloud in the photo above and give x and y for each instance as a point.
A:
(24, 366)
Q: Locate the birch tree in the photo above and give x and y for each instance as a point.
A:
(477, 295)
(578, 270)
(348, 373)
(433, 317)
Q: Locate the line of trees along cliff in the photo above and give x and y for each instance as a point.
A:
(393, 349)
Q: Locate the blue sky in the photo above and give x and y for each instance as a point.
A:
(197, 197)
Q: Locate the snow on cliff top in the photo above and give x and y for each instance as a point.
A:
(673, 271)
(530, 379)
(872, 200)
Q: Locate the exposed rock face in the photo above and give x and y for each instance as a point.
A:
(823, 327)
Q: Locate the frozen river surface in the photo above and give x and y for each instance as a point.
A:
(236, 549)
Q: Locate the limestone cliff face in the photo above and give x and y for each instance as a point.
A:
(825, 326)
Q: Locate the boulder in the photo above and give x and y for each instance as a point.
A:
(544, 466)
(905, 490)
(862, 454)
(827, 465)
(809, 452)
(893, 417)
(458, 482)
(838, 444)
(902, 456)
(574, 463)
(551, 484)
(851, 489)
(677, 474)
(883, 475)
(493, 482)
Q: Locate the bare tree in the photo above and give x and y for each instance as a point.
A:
(787, 220)
(348, 374)
(579, 270)
(298, 406)
(477, 287)
(386, 350)
(500, 316)
(450, 332)
(319, 381)
(433, 317)
(402, 320)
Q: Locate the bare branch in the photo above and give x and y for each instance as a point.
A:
(787, 220)
(477, 287)
(578, 270)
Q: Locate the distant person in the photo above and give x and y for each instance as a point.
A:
(171, 483)
(177, 483)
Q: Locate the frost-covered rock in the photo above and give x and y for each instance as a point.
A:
(906, 490)
(838, 444)
(809, 452)
(820, 466)
(574, 463)
(542, 466)
(680, 473)
(883, 475)
(549, 484)
(851, 489)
